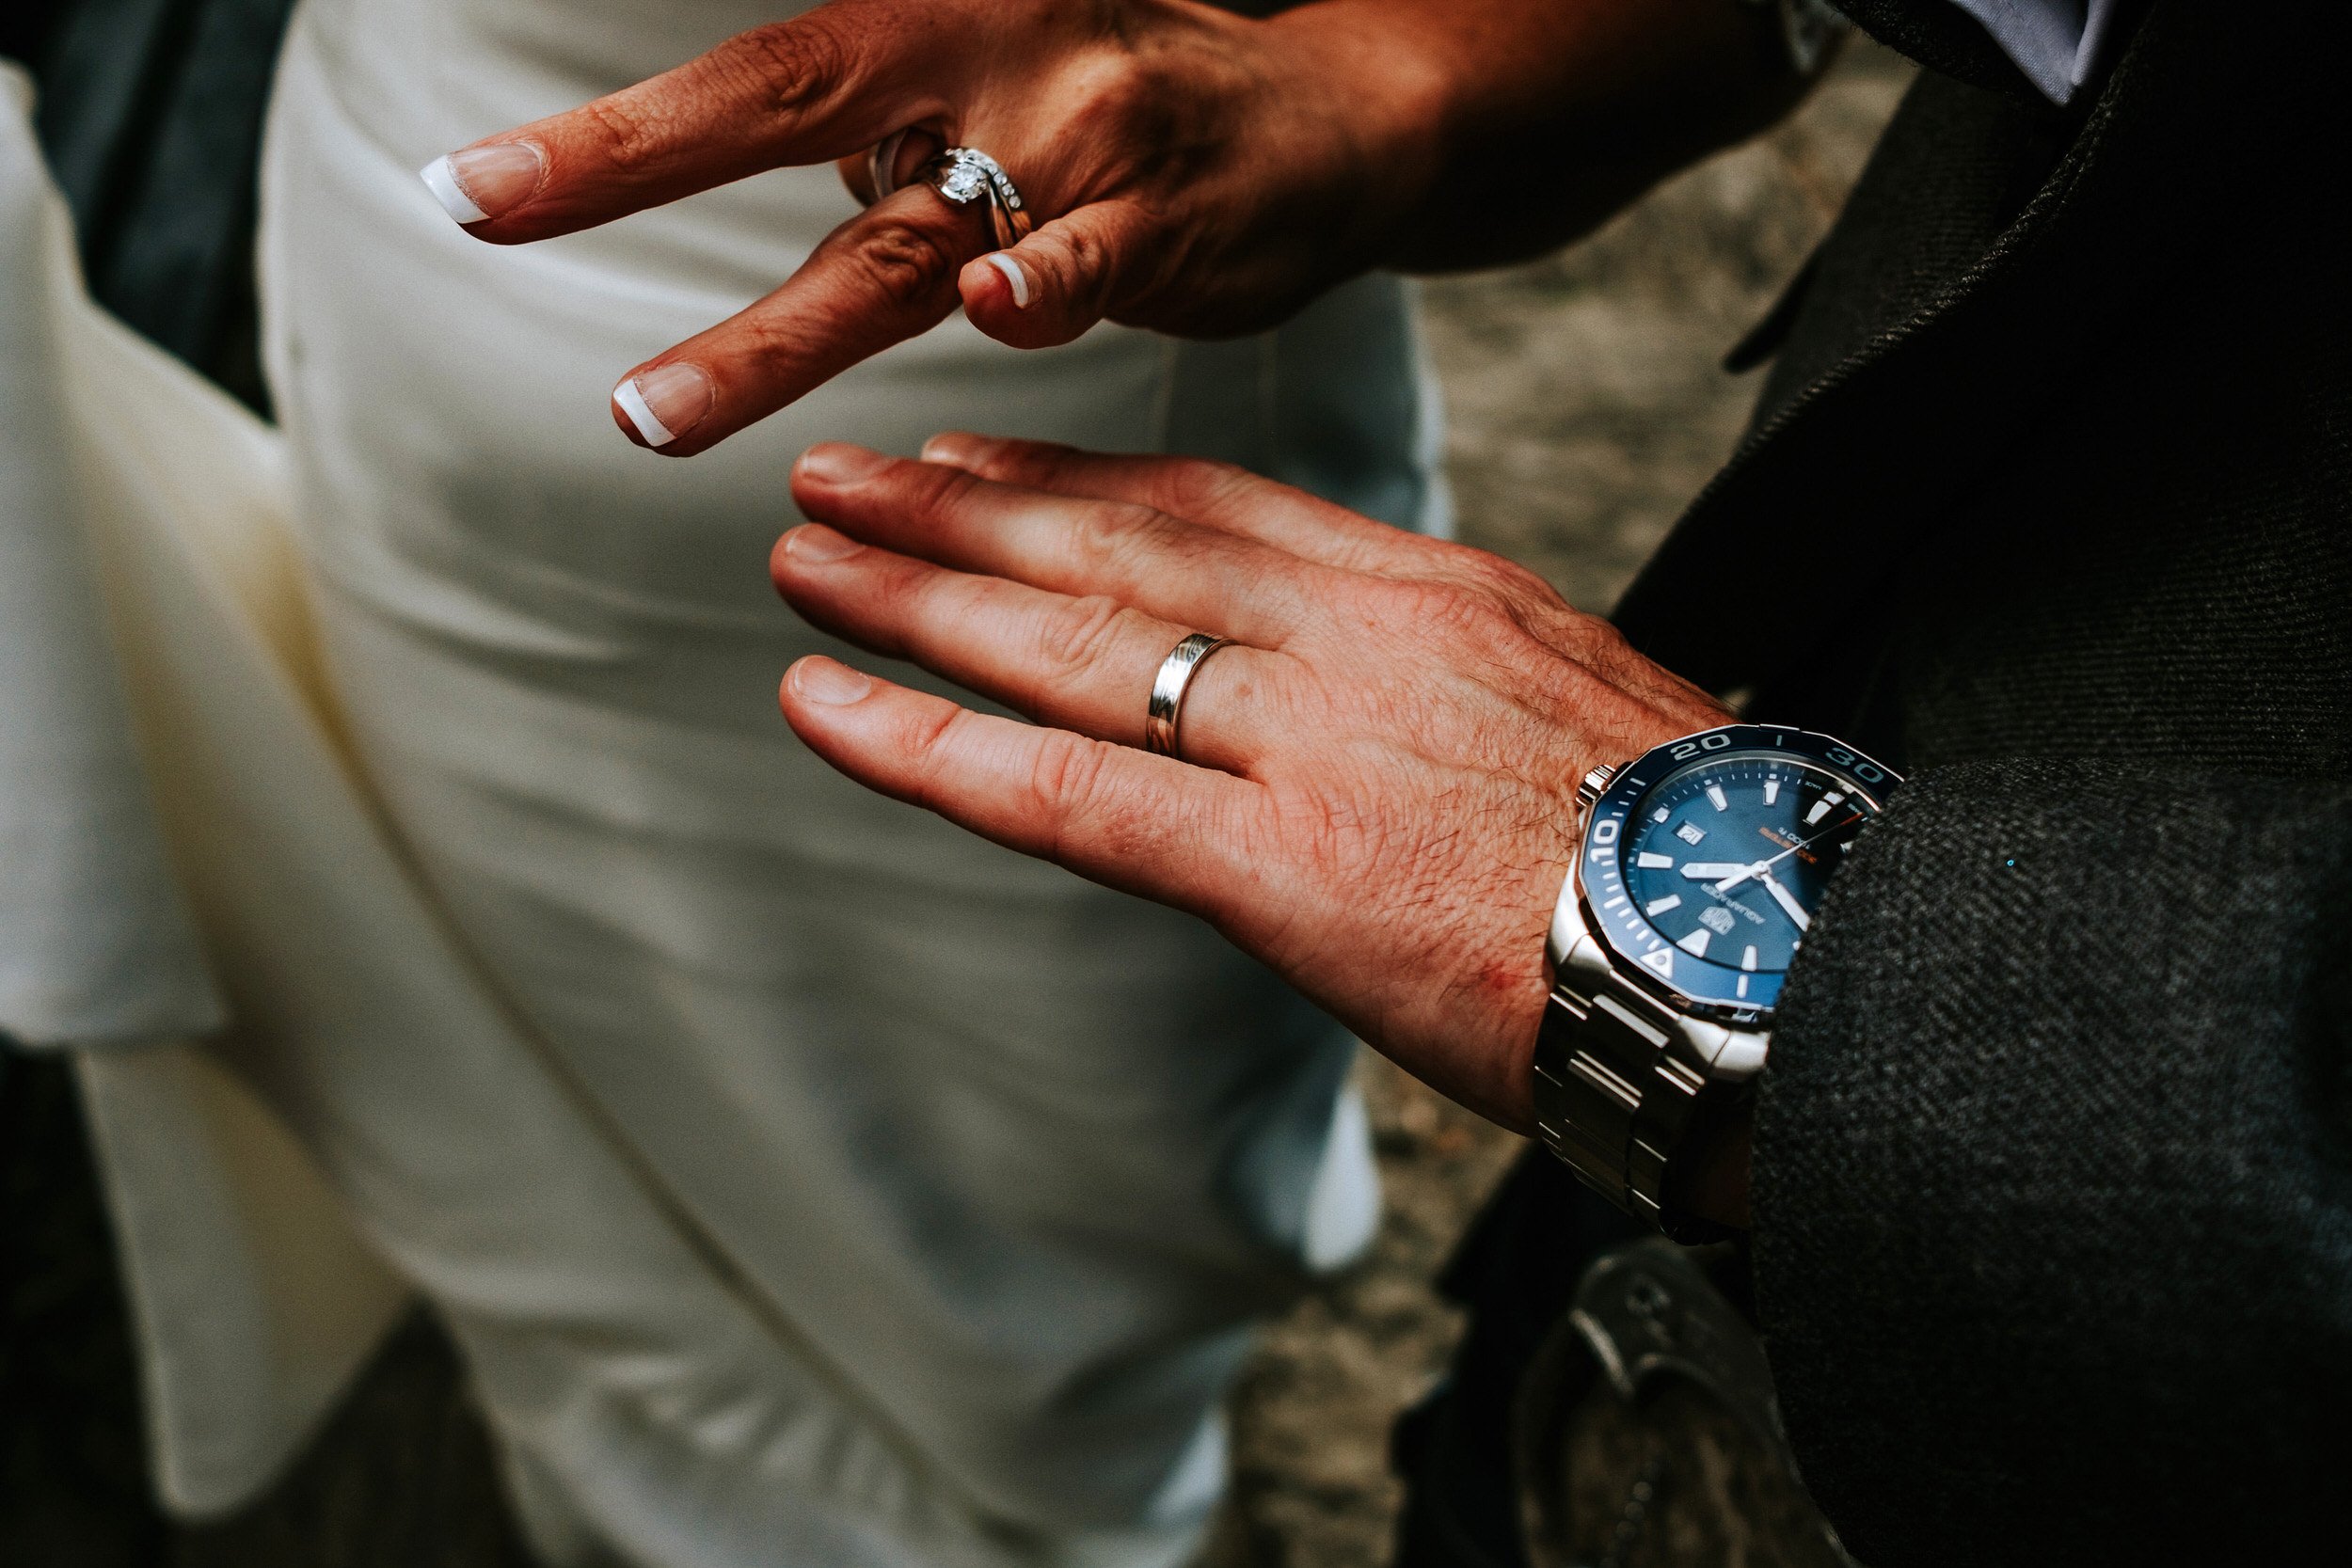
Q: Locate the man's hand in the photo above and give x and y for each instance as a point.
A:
(1376, 793)
(1190, 170)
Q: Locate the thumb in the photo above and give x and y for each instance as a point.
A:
(1059, 281)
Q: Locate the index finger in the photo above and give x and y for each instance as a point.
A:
(804, 91)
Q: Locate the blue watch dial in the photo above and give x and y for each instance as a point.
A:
(1706, 860)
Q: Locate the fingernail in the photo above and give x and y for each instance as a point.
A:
(666, 402)
(829, 682)
(1014, 274)
(955, 448)
(479, 183)
(815, 544)
(839, 463)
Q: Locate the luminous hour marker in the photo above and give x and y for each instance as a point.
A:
(1660, 815)
(1771, 790)
(1747, 960)
(1715, 794)
(1672, 901)
(1744, 987)
(1648, 861)
(1695, 944)
(1820, 808)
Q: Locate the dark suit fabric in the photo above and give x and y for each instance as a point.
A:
(2048, 502)
(2053, 1178)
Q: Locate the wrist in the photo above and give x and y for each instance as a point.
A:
(1667, 964)
(1388, 76)
(1505, 138)
(1503, 1007)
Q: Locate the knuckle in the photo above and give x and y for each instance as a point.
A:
(1083, 269)
(907, 264)
(1591, 641)
(906, 594)
(1110, 531)
(770, 336)
(784, 66)
(931, 742)
(1078, 634)
(1439, 604)
(1110, 98)
(1505, 579)
(1199, 484)
(623, 135)
(1020, 462)
(1067, 772)
(944, 494)
(1476, 626)
(930, 490)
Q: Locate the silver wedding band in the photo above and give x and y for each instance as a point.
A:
(881, 163)
(960, 175)
(1169, 687)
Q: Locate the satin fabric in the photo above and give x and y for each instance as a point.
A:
(984, 1172)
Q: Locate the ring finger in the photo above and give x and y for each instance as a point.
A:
(1083, 664)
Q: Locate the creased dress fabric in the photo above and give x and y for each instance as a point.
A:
(179, 840)
(963, 1179)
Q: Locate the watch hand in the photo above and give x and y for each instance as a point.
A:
(1739, 874)
(1786, 901)
(1700, 870)
(1761, 867)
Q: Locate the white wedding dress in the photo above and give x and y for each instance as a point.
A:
(805, 1181)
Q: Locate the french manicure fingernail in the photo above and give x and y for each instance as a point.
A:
(475, 183)
(829, 682)
(839, 463)
(817, 544)
(1015, 274)
(957, 449)
(666, 402)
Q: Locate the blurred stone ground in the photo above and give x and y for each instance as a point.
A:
(1587, 407)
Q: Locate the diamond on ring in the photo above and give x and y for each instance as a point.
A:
(964, 175)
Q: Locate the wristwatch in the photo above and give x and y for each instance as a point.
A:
(1699, 867)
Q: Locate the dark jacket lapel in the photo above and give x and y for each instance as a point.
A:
(1866, 458)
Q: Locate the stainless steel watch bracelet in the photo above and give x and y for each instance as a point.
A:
(1619, 1073)
(1638, 1056)
(1617, 1079)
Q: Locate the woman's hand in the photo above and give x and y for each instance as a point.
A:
(1190, 170)
(1376, 790)
(1158, 140)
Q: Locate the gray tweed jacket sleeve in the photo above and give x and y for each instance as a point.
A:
(2053, 1171)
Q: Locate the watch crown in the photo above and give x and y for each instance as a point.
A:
(1594, 783)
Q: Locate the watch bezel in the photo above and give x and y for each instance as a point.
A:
(1611, 810)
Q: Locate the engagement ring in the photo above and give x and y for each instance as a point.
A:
(961, 175)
